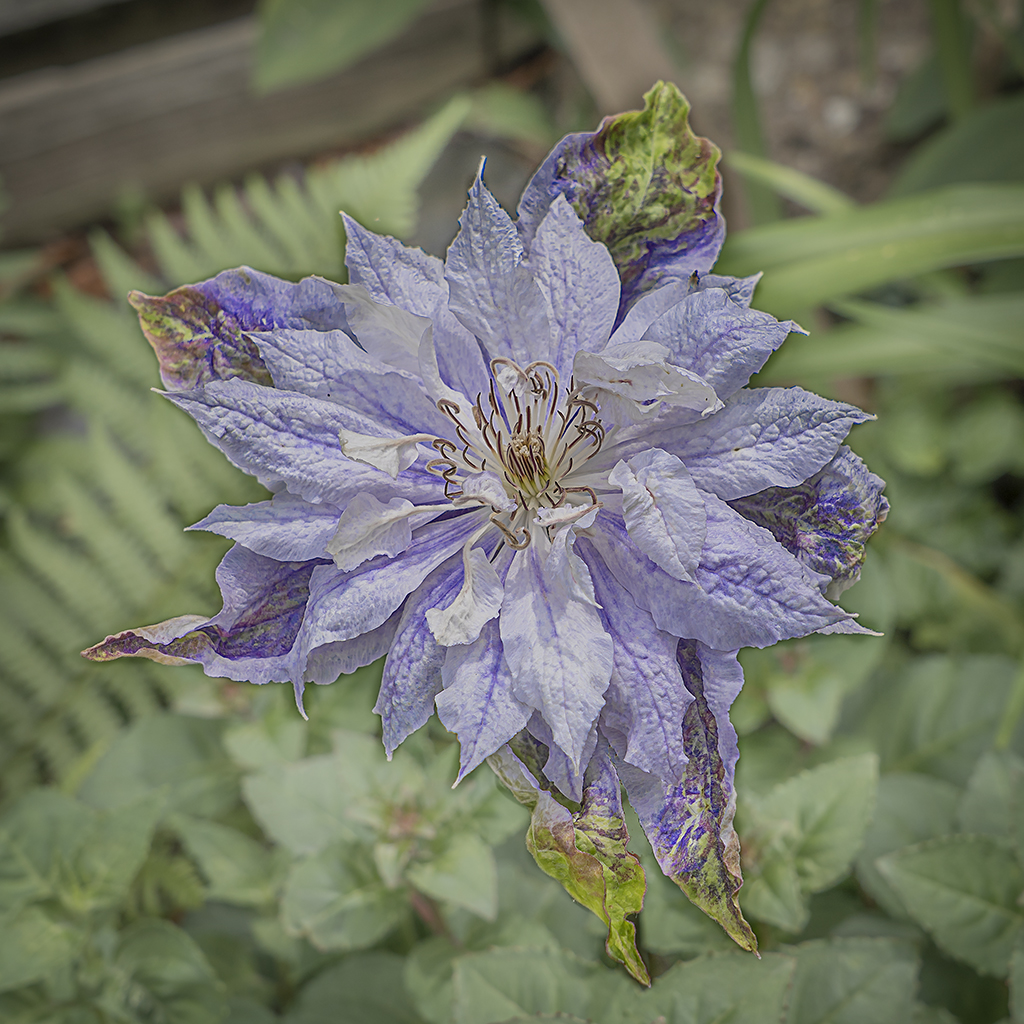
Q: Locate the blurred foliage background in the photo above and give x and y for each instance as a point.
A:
(184, 850)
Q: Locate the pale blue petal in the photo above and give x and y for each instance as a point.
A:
(477, 703)
(579, 282)
(412, 672)
(750, 591)
(764, 437)
(326, 663)
(492, 292)
(330, 366)
(663, 510)
(286, 527)
(558, 768)
(722, 341)
(555, 643)
(411, 279)
(344, 604)
(288, 440)
(646, 698)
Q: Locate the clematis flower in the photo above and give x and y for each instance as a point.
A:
(534, 478)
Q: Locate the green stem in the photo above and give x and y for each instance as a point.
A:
(952, 42)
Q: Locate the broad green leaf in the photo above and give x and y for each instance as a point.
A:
(338, 902)
(170, 979)
(302, 40)
(237, 868)
(942, 715)
(964, 891)
(808, 192)
(38, 835)
(803, 835)
(463, 873)
(719, 987)
(502, 110)
(509, 983)
(33, 947)
(991, 804)
(812, 260)
(976, 335)
(853, 981)
(362, 989)
(173, 755)
(910, 809)
(305, 805)
(987, 145)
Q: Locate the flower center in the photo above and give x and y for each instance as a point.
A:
(529, 431)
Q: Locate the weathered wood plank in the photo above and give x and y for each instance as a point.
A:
(181, 109)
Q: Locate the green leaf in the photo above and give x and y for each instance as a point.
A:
(991, 804)
(976, 336)
(987, 145)
(586, 852)
(33, 947)
(339, 903)
(810, 193)
(812, 260)
(305, 806)
(1016, 982)
(509, 983)
(853, 981)
(170, 978)
(651, 186)
(910, 809)
(719, 987)
(964, 891)
(173, 755)
(502, 110)
(463, 873)
(303, 40)
(362, 989)
(237, 868)
(803, 836)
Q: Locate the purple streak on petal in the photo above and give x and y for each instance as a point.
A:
(344, 604)
(414, 281)
(286, 527)
(412, 672)
(492, 292)
(287, 440)
(557, 768)
(825, 521)
(579, 281)
(555, 644)
(477, 703)
(750, 591)
(764, 437)
(329, 366)
(646, 698)
(722, 341)
(199, 332)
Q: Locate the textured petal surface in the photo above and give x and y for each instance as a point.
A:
(289, 440)
(492, 292)
(414, 281)
(412, 672)
(825, 521)
(750, 591)
(579, 283)
(477, 703)
(199, 332)
(645, 701)
(477, 602)
(689, 824)
(716, 337)
(645, 186)
(764, 437)
(330, 366)
(555, 643)
(663, 511)
(286, 527)
(369, 527)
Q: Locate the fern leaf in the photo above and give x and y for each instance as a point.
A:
(120, 272)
